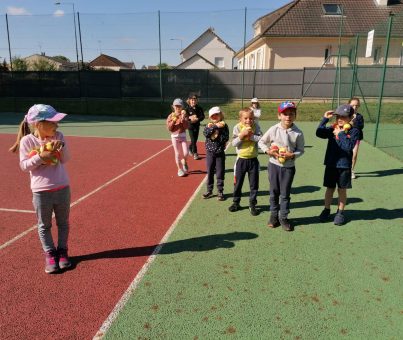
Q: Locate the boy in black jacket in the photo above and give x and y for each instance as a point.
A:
(342, 138)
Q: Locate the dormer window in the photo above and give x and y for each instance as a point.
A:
(332, 9)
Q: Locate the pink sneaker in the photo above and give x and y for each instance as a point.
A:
(51, 265)
(64, 261)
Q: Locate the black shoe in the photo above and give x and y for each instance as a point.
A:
(234, 207)
(208, 194)
(220, 196)
(324, 215)
(285, 223)
(339, 218)
(253, 210)
(273, 221)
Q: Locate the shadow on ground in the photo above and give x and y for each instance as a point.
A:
(196, 244)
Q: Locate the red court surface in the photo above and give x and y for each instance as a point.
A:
(113, 232)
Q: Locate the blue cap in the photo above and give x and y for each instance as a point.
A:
(286, 105)
(344, 110)
(40, 112)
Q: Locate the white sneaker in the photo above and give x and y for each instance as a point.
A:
(353, 176)
(185, 166)
(181, 173)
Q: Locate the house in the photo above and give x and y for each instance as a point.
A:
(106, 62)
(208, 51)
(57, 63)
(305, 33)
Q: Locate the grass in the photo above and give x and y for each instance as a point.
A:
(392, 112)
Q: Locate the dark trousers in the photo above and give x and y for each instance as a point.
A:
(215, 165)
(280, 179)
(194, 136)
(242, 167)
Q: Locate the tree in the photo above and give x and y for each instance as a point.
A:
(19, 64)
(164, 66)
(3, 66)
(61, 58)
(43, 65)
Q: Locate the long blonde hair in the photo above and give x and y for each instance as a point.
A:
(23, 130)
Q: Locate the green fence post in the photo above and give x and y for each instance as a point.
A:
(159, 44)
(354, 76)
(243, 64)
(383, 77)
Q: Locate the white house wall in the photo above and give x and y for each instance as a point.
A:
(210, 47)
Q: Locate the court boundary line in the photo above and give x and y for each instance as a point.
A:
(18, 210)
(136, 281)
(16, 238)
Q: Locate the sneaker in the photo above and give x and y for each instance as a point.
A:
(234, 207)
(196, 157)
(285, 223)
(181, 173)
(208, 194)
(191, 153)
(324, 215)
(220, 196)
(64, 261)
(273, 221)
(253, 210)
(185, 166)
(353, 176)
(51, 264)
(339, 218)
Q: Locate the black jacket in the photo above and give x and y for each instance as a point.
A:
(198, 111)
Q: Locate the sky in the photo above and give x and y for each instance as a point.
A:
(129, 30)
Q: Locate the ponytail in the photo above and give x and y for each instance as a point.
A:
(23, 130)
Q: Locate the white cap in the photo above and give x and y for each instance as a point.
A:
(214, 110)
(254, 100)
(178, 102)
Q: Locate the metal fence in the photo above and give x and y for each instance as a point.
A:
(209, 84)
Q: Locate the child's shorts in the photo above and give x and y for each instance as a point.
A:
(339, 176)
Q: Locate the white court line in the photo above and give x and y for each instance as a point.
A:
(130, 290)
(18, 210)
(6, 244)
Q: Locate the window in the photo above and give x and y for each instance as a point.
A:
(219, 62)
(377, 55)
(332, 9)
(328, 55)
(259, 59)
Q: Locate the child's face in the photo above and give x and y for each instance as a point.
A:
(254, 104)
(287, 117)
(46, 128)
(340, 120)
(355, 104)
(216, 117)
(193, 101)
(178, 108)
(247, 118)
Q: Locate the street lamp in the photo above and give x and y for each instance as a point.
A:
(181, 45)
(75, 30)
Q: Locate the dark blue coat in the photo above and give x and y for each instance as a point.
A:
(339, 151)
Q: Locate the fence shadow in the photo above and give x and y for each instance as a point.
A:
(380, 173)
(196, 244)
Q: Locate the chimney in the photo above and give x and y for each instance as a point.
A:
(382, 2)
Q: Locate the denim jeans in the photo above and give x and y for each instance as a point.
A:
(45, 203)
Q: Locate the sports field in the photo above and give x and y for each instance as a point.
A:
(153, 260)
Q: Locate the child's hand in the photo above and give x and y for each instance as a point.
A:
(328, 114)
(336, 130)
(220, 124)
(57, 145)
(210, 125)
(193, 118)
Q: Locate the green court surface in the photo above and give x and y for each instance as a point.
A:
(226, 275)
